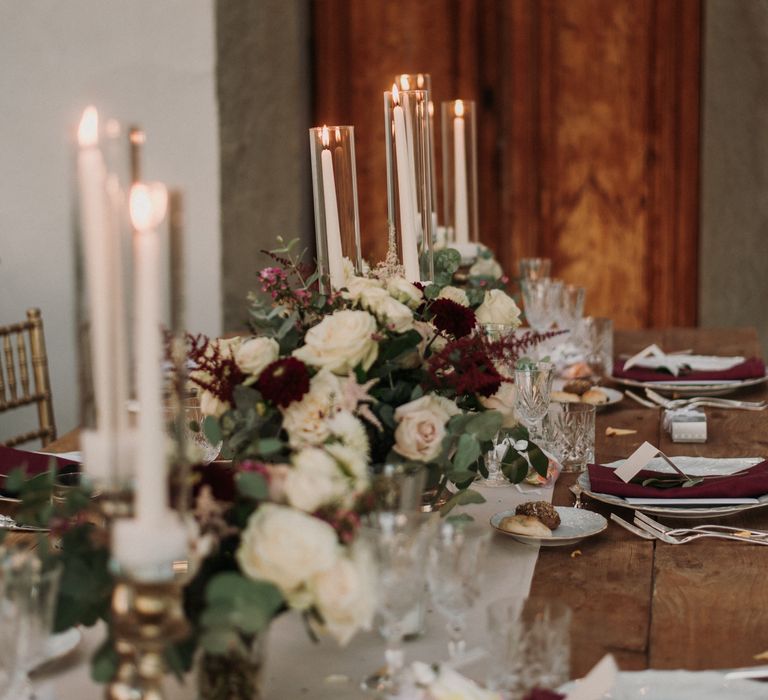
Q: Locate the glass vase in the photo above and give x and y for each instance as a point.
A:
(409, 182)
(233, 676)
(334, 185)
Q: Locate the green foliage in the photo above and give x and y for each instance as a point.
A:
(252, 485)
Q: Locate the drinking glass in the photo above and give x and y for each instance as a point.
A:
(530, 645)
(535, 268)
(397, 488)
(596, 342)
(399, 543)
(571, 306)
(190, 433)
(533, 386)
(454, 573)
(570, 431)
(541, 299)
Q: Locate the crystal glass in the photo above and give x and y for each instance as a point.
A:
(533, 386)
(541, 300)
(454, 572)
(334, 185)
(595, 339)
(571, 306)
(399, 543)
(459, 133)
(530, 645)
(192, 438)
(535, 268)
(409, 181)
(398, 488)
(570, 431)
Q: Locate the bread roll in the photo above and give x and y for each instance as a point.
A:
(525, 525)
(595, 397)
(565, 397)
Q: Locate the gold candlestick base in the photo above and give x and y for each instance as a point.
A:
(146, 617)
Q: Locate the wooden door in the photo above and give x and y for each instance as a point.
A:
(588, 126)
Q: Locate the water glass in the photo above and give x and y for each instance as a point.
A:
(530, 645)
(535, 268)
(571, 306)
(398, 488)
(541, 301)
(454, 573)
(570, 432)
(186, 429)
(533, 387)
(596, 343)
(399, 543)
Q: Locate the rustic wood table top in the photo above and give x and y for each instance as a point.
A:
(702, 605)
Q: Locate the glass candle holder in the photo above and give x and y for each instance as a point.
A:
(409, 181)
(334, 185)
(423, 81)
(460, 171)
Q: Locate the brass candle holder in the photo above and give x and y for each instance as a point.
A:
(146, 617)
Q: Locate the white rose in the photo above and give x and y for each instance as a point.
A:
(356, 287)
(498, 307)
(390, 312)
(503, 401)
(451, 685)
(345, 594)
(211, 405)
(486, 267)
(255, 354)
(314, 481)
(419, 436)
(350, 431)
(428, 332)
(341, 342)
(454, 294)
(306, 421)
(439, 405)
(286, 547)
(406, 293)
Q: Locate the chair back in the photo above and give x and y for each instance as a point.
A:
(23, 354)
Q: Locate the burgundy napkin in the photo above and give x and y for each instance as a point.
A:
(11, 458)
(752, 368)
(541, 694)
(748, 483)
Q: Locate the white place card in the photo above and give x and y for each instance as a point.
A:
(636, 462)
(599, 681)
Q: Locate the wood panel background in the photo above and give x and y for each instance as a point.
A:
(588, 130)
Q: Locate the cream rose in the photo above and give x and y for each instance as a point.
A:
(306, 421)
(454, 294)
(390, 312)
(503, 401)
(406, 293)
(419, 436)
(345, 594)
(350, 431)
(286, 547)
(433, 403)
(255, 354)
(315, 480)
(211, 405)
(498, 307)
(486, 267)
(357, 287)
(341, 342)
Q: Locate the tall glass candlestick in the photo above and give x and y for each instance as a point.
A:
(460, 172)
(409, 180)
(334, 185)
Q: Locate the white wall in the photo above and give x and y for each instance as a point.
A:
(141, 61)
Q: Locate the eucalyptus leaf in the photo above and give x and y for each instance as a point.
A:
(467, 452)
(212, 430)
(252, 485)
(485, 425)
(104, 662)
(462, 498)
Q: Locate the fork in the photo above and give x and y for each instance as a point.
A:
(715, 528)
(711, 401)
(669, 539)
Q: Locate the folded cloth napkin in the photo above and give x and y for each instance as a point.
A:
(34, 463)
(751, 368)
(748, 483)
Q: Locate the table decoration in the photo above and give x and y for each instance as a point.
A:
(576, 524)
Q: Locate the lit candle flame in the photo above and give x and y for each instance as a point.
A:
(405, 83)
(338, 134)
(459, 108)
(148, 204)
(88, 131)
(395, 94)
(325, 138)
(420, 81)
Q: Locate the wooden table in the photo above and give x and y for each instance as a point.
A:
(695, 606)
(702, 605)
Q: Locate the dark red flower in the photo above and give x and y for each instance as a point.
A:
(463, 367)
(452, 318)
(284, 381)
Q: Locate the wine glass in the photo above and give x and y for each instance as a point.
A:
(185, 424)
(533, 386)
(571, 306)
(540, 301)
(454, 574)
(535, 268)
(399, 542)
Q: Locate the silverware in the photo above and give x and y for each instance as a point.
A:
(8, 523)
(710, 527)
(669, 539)
(753, 673)
(639, 399)
(629, 526)
(576, 490)
(711, 401)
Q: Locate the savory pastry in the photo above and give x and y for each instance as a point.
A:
(525, 525)
(565, 397)
(578, 371)
(543, 511)
(595, 396)
(578, 386)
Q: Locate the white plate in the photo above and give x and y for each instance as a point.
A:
(679, 685)
(669, 511)
(694, 388)
(59, 645)
(575, 525)
(614, 396)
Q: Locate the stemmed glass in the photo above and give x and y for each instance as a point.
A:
(541, 298)
(399, 542)
(533, 386)
(571, 306)
(454, 573)
(535, 268)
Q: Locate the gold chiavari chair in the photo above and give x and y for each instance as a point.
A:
(13, 393)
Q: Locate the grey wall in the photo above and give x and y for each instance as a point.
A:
(734, 204)
(264, 89)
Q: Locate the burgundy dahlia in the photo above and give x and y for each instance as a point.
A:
(452, 318)
(284, 381)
